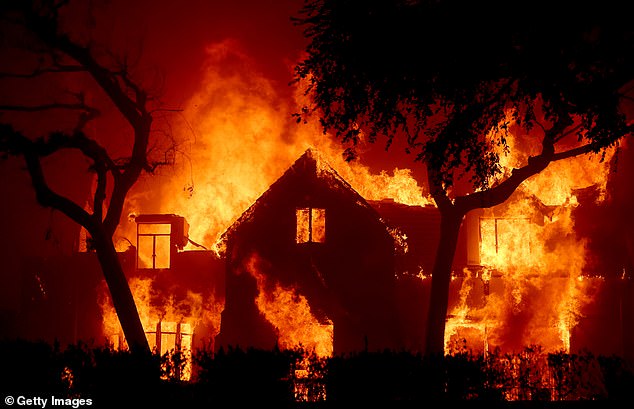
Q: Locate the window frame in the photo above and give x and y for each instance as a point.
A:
(313, 214)
(154, 236)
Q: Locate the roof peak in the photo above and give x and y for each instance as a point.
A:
(311, 152)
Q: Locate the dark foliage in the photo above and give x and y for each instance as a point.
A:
(249, 376)
(455, 80)
(102, 374)
(444, 73)
(239, 375)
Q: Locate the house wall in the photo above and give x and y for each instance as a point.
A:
(60, 296)
(348, 279)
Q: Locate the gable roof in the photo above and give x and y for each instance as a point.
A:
(309, 166)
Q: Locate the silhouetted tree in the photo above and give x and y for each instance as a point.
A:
(52, 53)
(455, 78)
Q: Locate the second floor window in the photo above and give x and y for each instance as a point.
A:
(153, 245)
(311, 225)
(504, 239)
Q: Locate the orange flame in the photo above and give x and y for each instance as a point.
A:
(538, 291)
(237, 138)
(290, 314)
(169, 323)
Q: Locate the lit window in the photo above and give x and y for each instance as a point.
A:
(166, 337)
(153, 245)
(171, 337)
(503, 239)
(311, 225)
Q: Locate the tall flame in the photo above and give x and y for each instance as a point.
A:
(169, 323)
(290, 314)
(237, 138)
(529, 245)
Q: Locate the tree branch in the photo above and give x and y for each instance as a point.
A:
(140, 96)
(562, 135)
(501, 192)
(166, 110)
(48, 198)
(100, 192)
(113, 83)
(46, 28)
(53, 105)
(121, 186)
(436, 190)
(89, 147)
(581, 150)
(17, 144)
(57, 69)
(127, 96)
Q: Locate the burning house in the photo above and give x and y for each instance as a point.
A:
(313, 263)
(177, 293)
(310, 234)
(522, 276)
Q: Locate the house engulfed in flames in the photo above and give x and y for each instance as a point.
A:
(314, 240)
(312, 263)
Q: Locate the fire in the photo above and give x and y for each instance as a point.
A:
(460, 324)
(290, 314)
(237, 138)
(169, 323)
(538, 289)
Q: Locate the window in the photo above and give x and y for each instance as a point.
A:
(171, 337)
(166, 337)
(503, 239)
(311, 225)
(153, 245)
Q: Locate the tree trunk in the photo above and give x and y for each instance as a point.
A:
(122, 298)
(450, 221)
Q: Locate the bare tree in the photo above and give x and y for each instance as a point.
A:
(55, 52)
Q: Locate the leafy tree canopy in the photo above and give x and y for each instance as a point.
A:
(445, 74)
